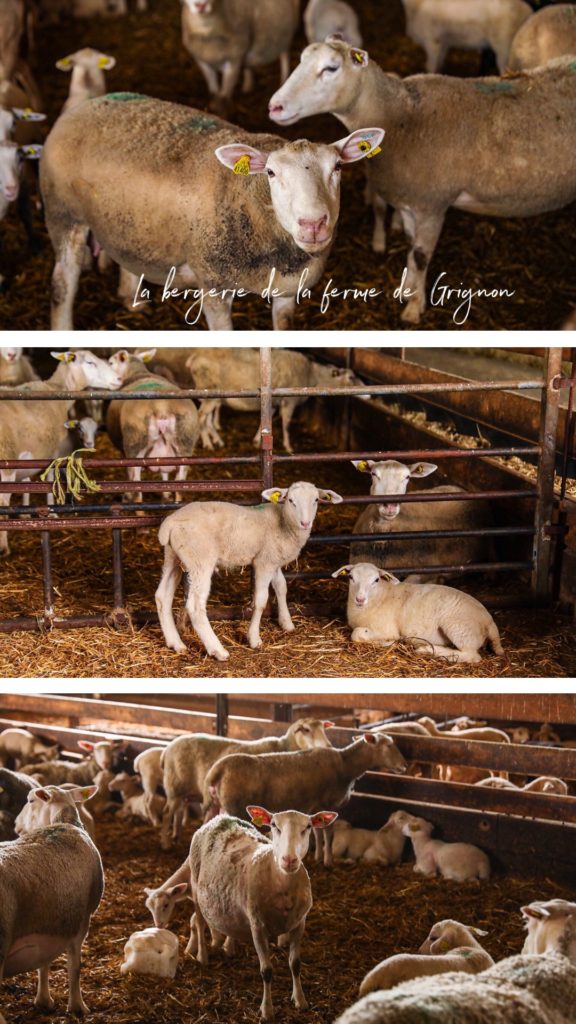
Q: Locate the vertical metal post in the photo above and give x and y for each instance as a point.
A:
(221, 714)
(550, 404)
(266, 436)
(282, 712)
(120, 616)
(47, 577)
(569, 434)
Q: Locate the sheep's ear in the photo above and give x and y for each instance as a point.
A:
(122, 356)
(179, 891)
(64, 357)
(259, 816)
(275, 494)
(344, 570)
(83, 793)
(65, 64)
(40, 794)
(148, 891)
(106, 63)
(27, 114)
(328, 725)
(85, 745)
(361, 143)
(358, 57)
(370, 737)
(476, 931)
(323, 819)
(241, 159)
(388, 576)
(422, 468)
(363, 465)
(147, 356)
(535, 910)
(329, 497)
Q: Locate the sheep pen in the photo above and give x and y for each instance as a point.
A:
(533, 257)
(360, 916)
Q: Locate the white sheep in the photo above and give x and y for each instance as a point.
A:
(459, 862)
(162, 900)
(519, 990)
(450, 946)
(136, 803)
(546, 34)
(547, 784)
(151, 951)
(384, 846)
(88, 79)
(381, 610)
(82, 774)
(484, 733)
(209, 534)
(37, 811)
(436, 25)
(15, 367)
(250, 888)
(148, 765)
(324, 18)
(23, 746)
(551, 927)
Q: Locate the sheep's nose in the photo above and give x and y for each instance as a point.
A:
(290, 863)
(11, 192)
(360, 599)
(275, 108)
(304, 525)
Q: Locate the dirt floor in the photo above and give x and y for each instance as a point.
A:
(537, 643)
(360, 915)
(535, 258)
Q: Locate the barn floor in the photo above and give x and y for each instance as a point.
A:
(535, 258)
(360, 915)
(537, 643)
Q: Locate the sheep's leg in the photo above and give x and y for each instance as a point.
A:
(209, 423)
(43, 998)
(281, 590)
(262, 948)
(423, 230)
(65, 278)
(247, 80)
(181, 474)
(171, 576)
(287, 409)
(202, 946)
(262, 580)
(379, 211)
(364, 635)
(192, 947)
(210, 77)
(127, 291)
(450, 653)
(284, 66)
(168, 822)
(135, 475)
(298, 997)
(218, 314)
(435, 55)
(196, 607)
(7, 476)
(328, 837)
(76, 1003)
(230, 76)
(283, 307)
(319, 841)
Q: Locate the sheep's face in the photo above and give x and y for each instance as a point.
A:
(10, 355)
(290, 833)
(328, 76)
(390, 478)
(366, 582)
(300, 502)
(88, 371)
(200, 7)
(161, 903)
(310, 732)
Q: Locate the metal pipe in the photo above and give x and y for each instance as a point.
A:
(488, 531)
(48, 589)
(429, 570)
(541, 583)
(221, 714)
(266, 433)
(119, 615)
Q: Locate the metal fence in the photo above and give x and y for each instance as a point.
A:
(116, 517)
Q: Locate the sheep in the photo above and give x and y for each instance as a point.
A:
(488, 734)
(543, 784)
(15, 367)
(519, 990)
(135, 802)
(162, 900)
(83, 773)
(37, 811)
(324, 18)
(451, 946)
(546, 34)
(21, 746)
(404, 728)
(12, 157)
(148, 765)
(187, 759)
(101, 802)
(40, 426)
(431, 159)
(12, 30)
(155, 428)
(494, 782)
(251, 888)
(151, 951)
(460, 862)
(298, 779)
(231, 36)
(551, 927)
(381, 610)
(212, 243)
(384, 846)
(88, 78)
(392, 477)
(211, 368)
(205, 535)
(51, 882)
(14, 789)
(436, 25)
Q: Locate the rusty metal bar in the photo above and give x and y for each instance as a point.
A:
(221, 714)
(119, 615)
(47, 577)
(429, 570)
(110, 486)
(541, 582)
(266, 434)
(488, 531)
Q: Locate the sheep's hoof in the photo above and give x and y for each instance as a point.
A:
(178, 648)
(412, 313)
(220, 654)
(44, 1003)
(379, 245)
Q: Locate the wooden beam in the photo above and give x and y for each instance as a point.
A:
(518, 759)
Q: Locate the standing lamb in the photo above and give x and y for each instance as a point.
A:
(381, 610)
(210, 243)
(88, 79)
(547, 34)
(392, 477)
(430, 156)
(51, 882)
(250, 888)
(15, 367)
(551, 927)
(436, 25)
(301, 779)
(148, 766)
(323, 18)
(460, 862)
(207, 535)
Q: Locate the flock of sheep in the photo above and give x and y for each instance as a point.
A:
(176, 196)
(203, 536)
(247, 888)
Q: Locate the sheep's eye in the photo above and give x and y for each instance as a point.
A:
(338, 165)
(270, 172)
(330, 68)
(291, 501)
(274, 825)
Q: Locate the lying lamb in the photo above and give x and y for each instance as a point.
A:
(382, 610)
(384, 846)
(151, 951)
(459, 862)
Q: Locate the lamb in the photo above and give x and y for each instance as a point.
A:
(460, 862)
(450, 946)
(212, 368)
(519, 990)
(205, 535)
(21, 746)
(88, 78)
(210, 244)
(381, 610)
(436, 25)
(12, 157)
(298, 779)
(38, 810)
(546, 34)
(250, 888)
(323, 18)
(187, 760)
(162, 900)
(148, 765)
(151, 951)
(383, 847)
(57, 772)
(430, 159)
(487, 734)
(135, 800)
(543, 784)
(231, 36)
(155, 428)
(15, 367)
(392, 477)
(40, 425)
(551, 927)
(51, 882)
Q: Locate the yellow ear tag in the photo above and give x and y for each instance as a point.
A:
(343, 572)
(147, 358)
(64, 62)
(364, 146)
(357, 56)
(362, 466)
(376, 150)
(103, 62)
(242, 165)
(277, 494)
